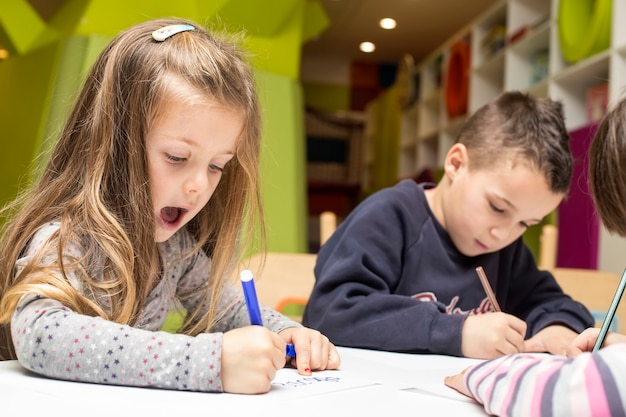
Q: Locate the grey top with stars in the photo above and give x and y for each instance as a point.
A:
(52, 340)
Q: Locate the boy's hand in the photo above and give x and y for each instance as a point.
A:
(486, 336)
(313, 350)
(552, 339)
(585, 341)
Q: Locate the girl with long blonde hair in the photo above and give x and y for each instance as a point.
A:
(149, 197)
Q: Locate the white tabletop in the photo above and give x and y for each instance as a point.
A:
(368, 383)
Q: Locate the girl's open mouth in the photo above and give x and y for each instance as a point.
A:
(172, 215)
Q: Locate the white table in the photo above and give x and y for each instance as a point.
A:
(368, 383)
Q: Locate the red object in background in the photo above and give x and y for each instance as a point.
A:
(338, 198)
(597, 102)
(518, 34)
(364, 84)
(361, 96)
(457, 79)
(578, 222)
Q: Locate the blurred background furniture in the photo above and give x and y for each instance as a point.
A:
(595, 289)
(284, 281)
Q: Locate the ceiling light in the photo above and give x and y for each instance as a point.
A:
(387, 23)
(367, 47)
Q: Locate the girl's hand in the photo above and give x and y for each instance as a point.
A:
(251, 356)
(486, 336)
(313, 350)
(585, 341)
(457, 382)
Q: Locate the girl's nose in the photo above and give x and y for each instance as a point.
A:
(197, 182)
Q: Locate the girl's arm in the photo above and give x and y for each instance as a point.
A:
(541, 384)
(54, 341)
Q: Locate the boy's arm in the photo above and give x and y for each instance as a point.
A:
(367, 316)
(356, 301)
(535, 296)
(372, 270)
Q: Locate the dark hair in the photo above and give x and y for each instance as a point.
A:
(518, 125)
(607, 169)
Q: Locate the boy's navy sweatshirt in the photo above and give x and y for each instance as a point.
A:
(390, 278)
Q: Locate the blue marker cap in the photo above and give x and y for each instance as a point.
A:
(291, 351)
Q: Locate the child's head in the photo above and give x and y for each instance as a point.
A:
(130, 88)
(517, 127)
(509, 169)
(607, 169)
(99, 177)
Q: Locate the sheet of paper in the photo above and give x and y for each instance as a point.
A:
(404, 371)
(290, 384)
(440, 390)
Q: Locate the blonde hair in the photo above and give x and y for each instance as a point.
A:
(96, 182)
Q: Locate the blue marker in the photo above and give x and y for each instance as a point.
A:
(252, 302)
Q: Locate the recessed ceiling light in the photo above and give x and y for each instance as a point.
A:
(367, 47)
(387, 23)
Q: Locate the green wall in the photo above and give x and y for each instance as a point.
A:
(49, 58)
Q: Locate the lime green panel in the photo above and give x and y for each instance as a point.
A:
(30, 83)
(25, 82)
(258, 17)
(21, 28)
(75, 59)
(315, 22)
(280, 54)
(385, 142)
(327, 96)
(109, 17)
(68, 16)
(283, 160)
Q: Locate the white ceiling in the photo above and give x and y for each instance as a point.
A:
(423, 26)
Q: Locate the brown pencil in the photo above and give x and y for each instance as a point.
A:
(487, 287)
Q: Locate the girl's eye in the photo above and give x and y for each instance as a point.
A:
(524, 225)
(175, 159)
(214, 167)
(496, 209)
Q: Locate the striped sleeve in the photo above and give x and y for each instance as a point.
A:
(591, 384)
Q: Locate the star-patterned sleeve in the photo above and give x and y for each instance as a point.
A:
(52, 340)
(56, 342)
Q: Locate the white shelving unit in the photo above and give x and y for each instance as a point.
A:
(427, 134)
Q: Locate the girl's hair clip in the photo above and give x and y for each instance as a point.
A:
(167, 31)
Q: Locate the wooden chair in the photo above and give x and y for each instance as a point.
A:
(328, 224)
(595, 289)
(548, 247)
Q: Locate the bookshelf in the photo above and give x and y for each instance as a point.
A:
(515, 45)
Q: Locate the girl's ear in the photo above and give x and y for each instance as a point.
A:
(456, 159)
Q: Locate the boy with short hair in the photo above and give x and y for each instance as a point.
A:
(399, 273)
